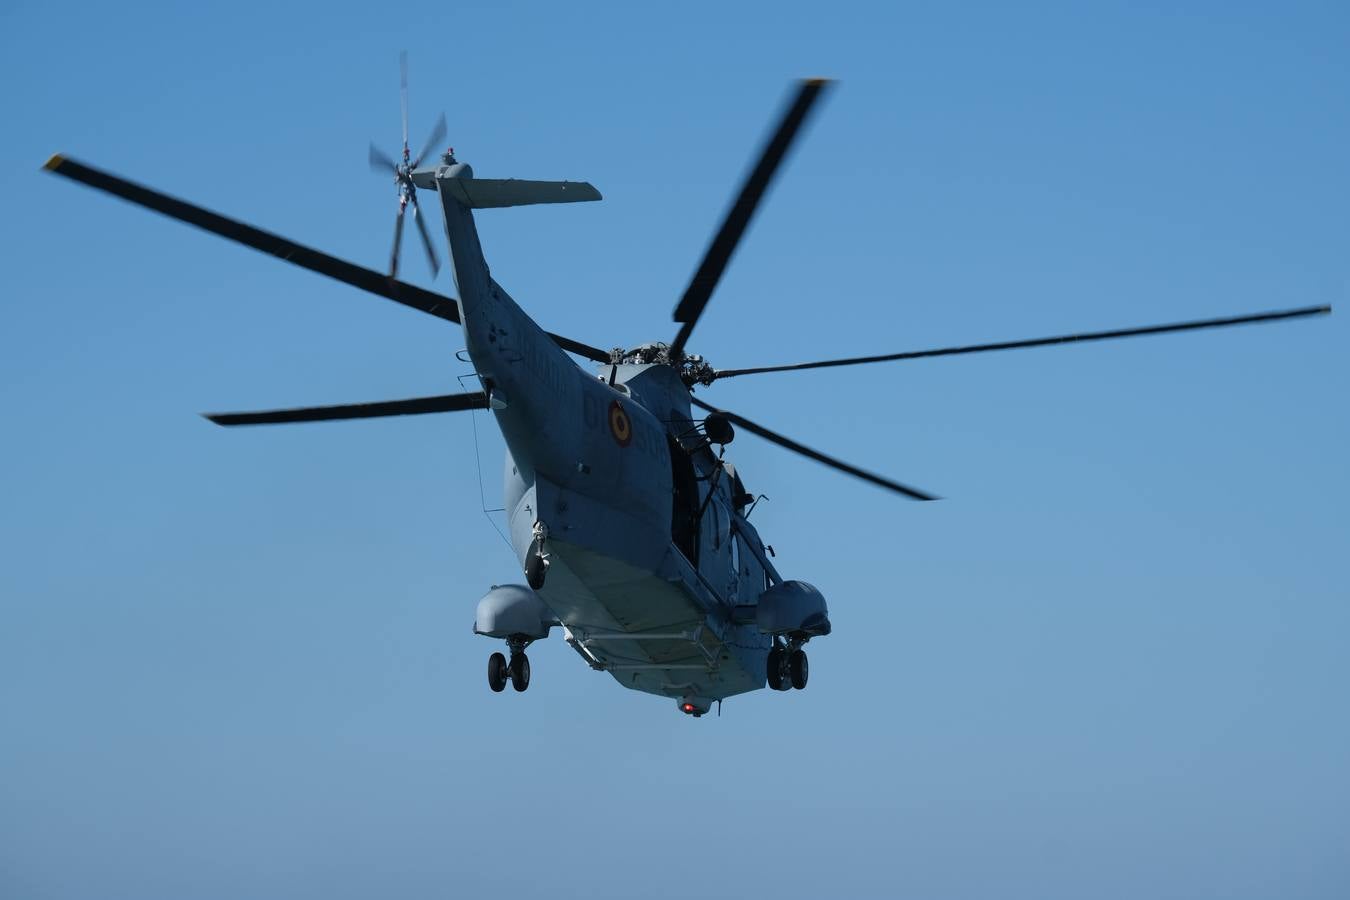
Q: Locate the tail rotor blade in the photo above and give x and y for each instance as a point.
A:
(398, 242)
(426, 238)
(437, 135)
(403, 95)
(380, 162)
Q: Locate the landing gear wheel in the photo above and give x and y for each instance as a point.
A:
(535, 567)
(798, 668)
(497, 673)
(520, 671)
(775, 670)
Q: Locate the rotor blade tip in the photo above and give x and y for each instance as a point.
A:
(54, 163)
(818, 82)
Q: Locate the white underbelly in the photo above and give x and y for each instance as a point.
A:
(652, 633)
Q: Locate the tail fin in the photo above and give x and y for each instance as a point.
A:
(490, 193)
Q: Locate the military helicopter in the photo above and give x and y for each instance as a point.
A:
(630, 526)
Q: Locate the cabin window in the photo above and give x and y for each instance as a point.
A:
(720, 522)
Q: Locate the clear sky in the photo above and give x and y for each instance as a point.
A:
(1112, 663)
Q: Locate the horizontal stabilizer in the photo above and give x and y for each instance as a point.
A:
(490, 193)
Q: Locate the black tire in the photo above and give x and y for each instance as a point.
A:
(497, 672)
(520, 671)
(535, 570)
(798, 669)
(775, 670)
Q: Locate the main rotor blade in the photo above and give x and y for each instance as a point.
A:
(409, 295)
(403, 95)
(719, 252)
(306, 257)
(398, 241)
(1040, 342)
(380, 162)
(437, 135)
(819, 457)
(595, 354)
(413, 407)
(432, 258)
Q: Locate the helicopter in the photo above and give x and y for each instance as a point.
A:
(630, 526)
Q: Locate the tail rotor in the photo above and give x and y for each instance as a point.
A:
(402, 173)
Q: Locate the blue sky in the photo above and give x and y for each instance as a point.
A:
(1111, 663)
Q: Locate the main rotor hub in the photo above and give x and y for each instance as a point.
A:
(693, 369)
(696, 370)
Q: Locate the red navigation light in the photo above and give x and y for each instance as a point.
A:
(688, 707)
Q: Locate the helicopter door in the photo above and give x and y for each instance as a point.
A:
(684, 508)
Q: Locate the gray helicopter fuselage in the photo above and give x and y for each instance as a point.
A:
(611, 467)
